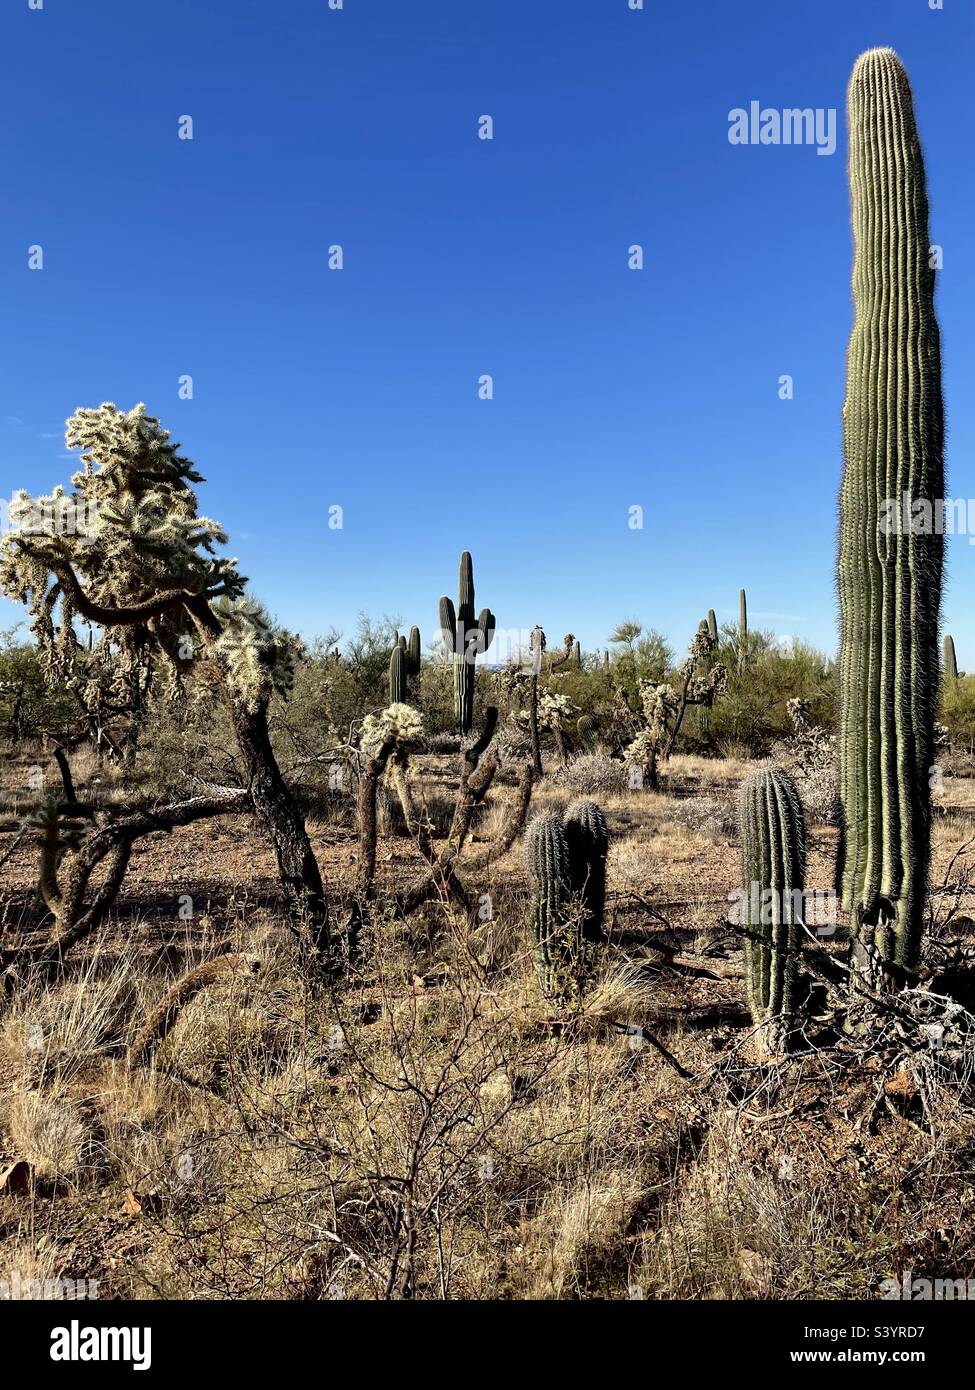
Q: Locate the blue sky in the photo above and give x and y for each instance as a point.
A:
(358, 387)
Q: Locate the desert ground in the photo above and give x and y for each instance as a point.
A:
(435, 1128)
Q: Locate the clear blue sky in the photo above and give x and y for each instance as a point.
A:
(462, 257)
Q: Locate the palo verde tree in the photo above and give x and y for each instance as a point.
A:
(127, 555)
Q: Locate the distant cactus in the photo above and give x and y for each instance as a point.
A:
(404, 667)
(773, 865)
(712, 625)
(413, 654)
(587, 729)
(950, 664)
(577, 654)
(465, 640)
(566, 957)
(397, 676)
(742, 629)
(889, 576)
(588, 839)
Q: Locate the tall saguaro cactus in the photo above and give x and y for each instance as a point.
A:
(465, 639)
(742, 629)
(773, 867)
(890, 575)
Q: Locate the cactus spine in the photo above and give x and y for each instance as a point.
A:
(465, 639)
(889, 577)
(950, 664)
(773, 868)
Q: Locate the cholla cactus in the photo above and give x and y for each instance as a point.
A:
(259, 658)
(399, 724)
(665, 705)
(556, 711)
(144, 573)
(141, 547)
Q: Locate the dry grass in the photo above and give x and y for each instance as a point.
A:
(438, 1130)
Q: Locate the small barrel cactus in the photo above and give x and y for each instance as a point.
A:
(773, 865)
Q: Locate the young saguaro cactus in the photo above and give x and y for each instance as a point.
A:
(465, 639)
(890, 575)
(742, 629)
(550, 884)
(712, 625)
(565, 861)
(773, 868)
(587, 837)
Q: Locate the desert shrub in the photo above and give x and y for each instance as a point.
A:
(30, 705)
(48, 1132)
(753, 712)
(958, 713)
(443, 744)
(712, 816)
(54, 1034)
(593, 774)
(819, 791)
